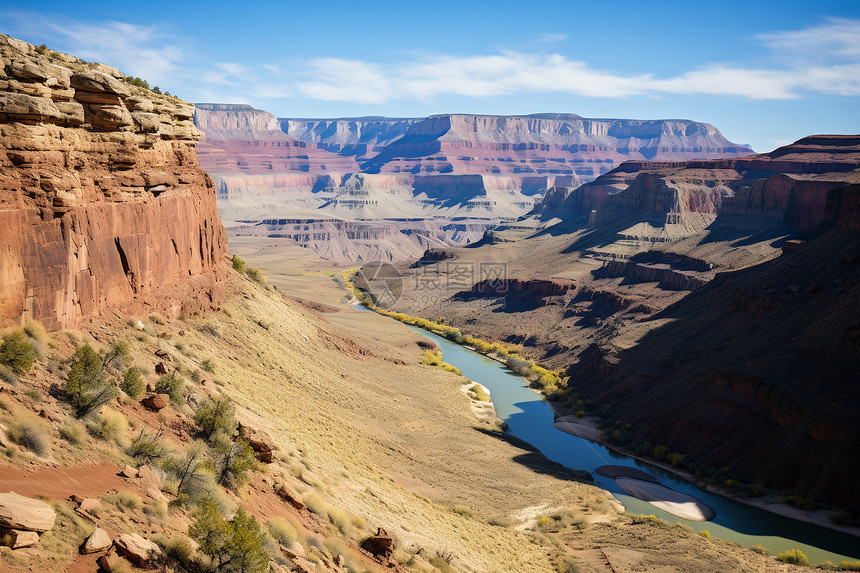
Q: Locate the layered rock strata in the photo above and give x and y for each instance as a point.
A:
(102, 201)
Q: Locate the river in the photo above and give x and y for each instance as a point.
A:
(530, 418)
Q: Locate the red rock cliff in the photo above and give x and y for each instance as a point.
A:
(102, 202)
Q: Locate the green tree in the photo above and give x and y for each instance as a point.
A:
(118, 355)
(17, 352)
(233, 546)
(173, 385)
(132, 383)
(87, 387)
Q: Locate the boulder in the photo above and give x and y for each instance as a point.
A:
(19, 512)
(18, 539)
(290, 496)
(136, 548)
(89, 504)
(110, 561)
(156, 402)
(379, 545)
(128, 472)
(149, 477)
(160, 369)
(96, 542)
(259, 441)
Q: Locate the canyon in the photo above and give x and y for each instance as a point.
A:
(704, 302)
(453, 173)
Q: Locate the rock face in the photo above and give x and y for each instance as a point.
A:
(136, 549)
(379, 545)
(19, 512)
(102, 202)
(479, 167)
(789, 185)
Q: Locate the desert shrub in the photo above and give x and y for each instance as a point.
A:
(480, 393)
(358, 522)
(135, 81)
(282, 531)
(117, 356)
(238, 264)
(208, 366)
(6, 375)
(34, 394)
(315, 504)
(31, 434)
(705, 533)
(72, 432)
(173, 385)
(38, 336)
(849, 565)
(234, 545)
(178, 549)
(87, 387)
(442, 562)
(256, 275)
(233, 461)
(125, 499)
(147, 448)
(215, 415)
(842, 518)
(793, 556)
(760, 549)
(17, 352)
(677, 460)
(660, 452)
(111, 426)
(132, 383)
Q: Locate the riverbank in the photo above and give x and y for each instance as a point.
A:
(587, 428)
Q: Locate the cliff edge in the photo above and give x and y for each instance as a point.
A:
(102, 201)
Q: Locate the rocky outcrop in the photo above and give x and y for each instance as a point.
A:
(665, 276)
(789, 185)
(102, 202)
(237, 122)
(137, 549)
(359, 136)
(259, 441)
(379, 545)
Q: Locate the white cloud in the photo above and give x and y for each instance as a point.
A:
(821, 59)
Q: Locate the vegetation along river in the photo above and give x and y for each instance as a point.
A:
(530, 418)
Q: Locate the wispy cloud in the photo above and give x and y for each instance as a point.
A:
(550, 38)
(144, 51)
(821, 59)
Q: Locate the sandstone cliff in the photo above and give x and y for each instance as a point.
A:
(237, 122)
(102, 202)
(359, 136)
(788, 185)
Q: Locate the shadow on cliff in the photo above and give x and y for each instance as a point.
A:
(533, 459)
(754, 372)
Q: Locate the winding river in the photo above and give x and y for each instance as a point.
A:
(530, 418)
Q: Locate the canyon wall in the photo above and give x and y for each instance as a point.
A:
(789, 185)
(102, 202)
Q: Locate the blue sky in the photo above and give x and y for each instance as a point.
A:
(765, 73)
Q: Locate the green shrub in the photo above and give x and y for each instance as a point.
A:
(6, 375)
(705, 533)
(256, 275)
(793, 556)
(173, 385)
(238, 264)
(87, 386)
(850, 565)
(234, 545)
(42, 50)
(117, 356)
(132, 383)
(17, 352)
(677, 460)
(137, 82)
(480, 393)
(147, 448)
(233, 461)
(760, 549)
(215, 415)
